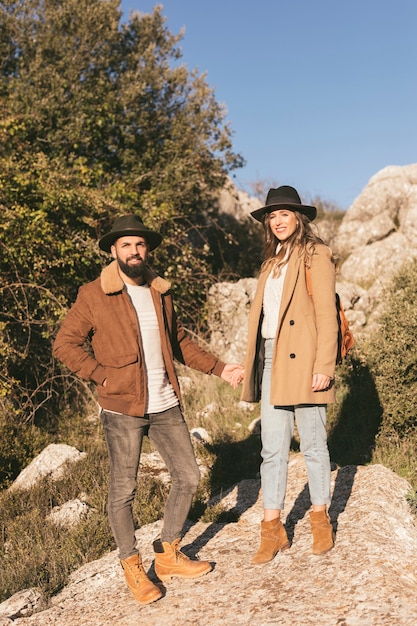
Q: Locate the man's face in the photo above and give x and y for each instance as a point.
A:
(131, 254)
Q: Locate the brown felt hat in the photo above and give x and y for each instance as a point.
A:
(129, 225)
(284, 197)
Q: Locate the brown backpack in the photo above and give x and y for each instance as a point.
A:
(345, 340)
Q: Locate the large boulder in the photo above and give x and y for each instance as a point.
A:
(376, 237)
(368, 578)
(387, 205)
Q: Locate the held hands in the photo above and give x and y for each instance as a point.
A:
(233, 374)
(321, 382)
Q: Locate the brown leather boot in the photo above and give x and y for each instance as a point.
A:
(273, 539)
(170, 561)
(142, 588)
(322, 530)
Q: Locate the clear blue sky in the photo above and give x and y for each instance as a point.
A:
(320, 94)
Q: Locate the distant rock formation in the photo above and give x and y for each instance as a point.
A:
(377, 236)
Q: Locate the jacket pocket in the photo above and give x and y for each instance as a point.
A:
(121, 374)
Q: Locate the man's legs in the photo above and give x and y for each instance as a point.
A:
(124, 435)
(169, 433)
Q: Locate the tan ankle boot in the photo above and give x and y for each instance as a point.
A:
(142, 588)
(322, 531)
(273, 539)
(170, 561)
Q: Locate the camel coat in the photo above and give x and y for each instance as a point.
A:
(306, 338)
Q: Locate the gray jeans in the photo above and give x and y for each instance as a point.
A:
(124, 435)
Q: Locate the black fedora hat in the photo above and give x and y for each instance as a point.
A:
(284, 197)
(126, 226)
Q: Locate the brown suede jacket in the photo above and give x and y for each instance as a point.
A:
(104, 314)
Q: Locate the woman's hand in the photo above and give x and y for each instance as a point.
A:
(321, 382)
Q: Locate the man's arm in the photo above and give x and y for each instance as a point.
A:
(69, 344)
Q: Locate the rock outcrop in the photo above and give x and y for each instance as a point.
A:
(369, 578)
(376, 237)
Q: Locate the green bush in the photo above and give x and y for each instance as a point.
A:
(392, 357)
(375, 419)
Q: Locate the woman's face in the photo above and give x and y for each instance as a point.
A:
(282, 223)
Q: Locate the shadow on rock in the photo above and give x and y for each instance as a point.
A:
(358, 419)
(341, 494)
(236, 466)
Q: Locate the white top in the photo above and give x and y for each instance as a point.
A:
(160, 393)
(272, 303)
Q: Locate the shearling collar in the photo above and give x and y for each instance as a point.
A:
(111, 281)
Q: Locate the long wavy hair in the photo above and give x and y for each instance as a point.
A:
(303, 240)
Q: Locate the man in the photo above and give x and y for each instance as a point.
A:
(129, 316)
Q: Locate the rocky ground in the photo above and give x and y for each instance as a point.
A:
(368, 579)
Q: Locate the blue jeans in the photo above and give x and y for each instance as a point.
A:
(277, 428)
(124, 435)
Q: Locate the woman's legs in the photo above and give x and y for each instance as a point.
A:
(277, 428)
(311, 424)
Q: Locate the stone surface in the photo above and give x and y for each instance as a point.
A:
(18, 605)
(70, 513)
(228, 309)
(368, 579)
(50, 462)
(236, 203)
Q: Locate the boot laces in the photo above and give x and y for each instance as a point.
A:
(180, 556)
(137, 571)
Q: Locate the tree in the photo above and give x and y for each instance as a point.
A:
(99, 118)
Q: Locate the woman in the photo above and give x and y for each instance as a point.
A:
(294, 337)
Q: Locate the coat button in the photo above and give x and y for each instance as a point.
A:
(292, 355)
(292, 322)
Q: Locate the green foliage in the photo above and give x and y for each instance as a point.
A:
(393, 355)
(412, 501)
(19, 444)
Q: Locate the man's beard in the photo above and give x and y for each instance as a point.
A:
(132, 271)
